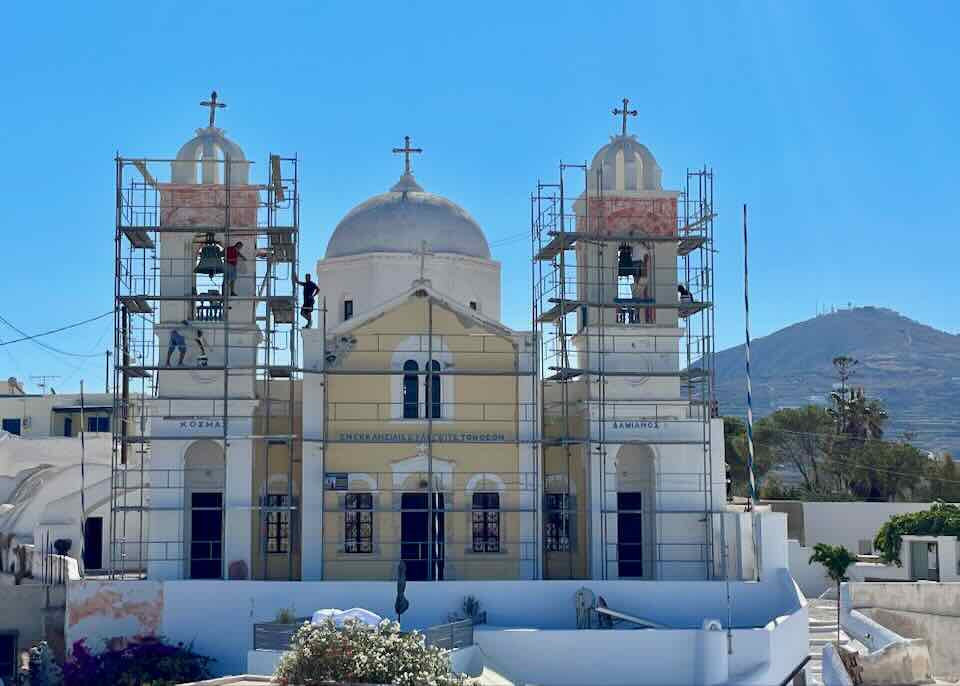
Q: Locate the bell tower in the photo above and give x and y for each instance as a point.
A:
(208, 287)
(623, 296)
(626, 264)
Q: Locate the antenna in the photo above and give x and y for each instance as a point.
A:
(43, 381)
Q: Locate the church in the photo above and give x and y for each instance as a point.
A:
(338, 418)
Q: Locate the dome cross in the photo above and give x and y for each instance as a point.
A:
(406, 150)
(625, 112)
(213, 105)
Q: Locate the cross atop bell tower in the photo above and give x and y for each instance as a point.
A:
(406, 150)
(625, 112)
(213, 105)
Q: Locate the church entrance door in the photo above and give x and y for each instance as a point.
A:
(414, 528)
(629, 534)
(206, 535)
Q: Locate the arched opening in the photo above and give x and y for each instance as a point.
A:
(431, 389)
(636, 511)
(204, 484)
(411, 400)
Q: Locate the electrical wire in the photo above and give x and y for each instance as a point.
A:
(33, 337)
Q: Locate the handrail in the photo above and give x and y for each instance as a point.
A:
(796, 670)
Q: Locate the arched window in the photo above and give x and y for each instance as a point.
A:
(434, 390)
(411, 400)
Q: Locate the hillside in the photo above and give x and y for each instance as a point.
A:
(913, 368)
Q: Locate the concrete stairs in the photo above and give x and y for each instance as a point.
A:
(823, 630)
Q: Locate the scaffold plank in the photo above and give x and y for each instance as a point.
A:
(684, 309)
(136, 304)
(138, 237)
(281, 308)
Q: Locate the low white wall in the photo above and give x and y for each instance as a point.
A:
(218, 616)
(848, 523)
(263, 662)
(811, 578)
(603, 658)
(919, 610)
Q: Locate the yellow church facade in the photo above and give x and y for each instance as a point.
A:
(427, 444)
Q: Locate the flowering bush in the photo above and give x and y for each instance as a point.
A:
(150, 662)
(361, 654)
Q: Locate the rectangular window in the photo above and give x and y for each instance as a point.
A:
(557, 522)
(486, 522)
(12, 426)
(277, 524)
(347, 310)
(98, 424)
(358, 523)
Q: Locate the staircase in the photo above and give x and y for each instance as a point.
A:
(823, 630)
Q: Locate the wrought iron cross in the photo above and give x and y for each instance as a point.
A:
(213, 105)
(423, 252)
(406, 150)
(625, 113)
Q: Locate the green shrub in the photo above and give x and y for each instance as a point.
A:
(943, 519)
(358, 653)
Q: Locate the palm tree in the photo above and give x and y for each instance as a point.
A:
(836, 560)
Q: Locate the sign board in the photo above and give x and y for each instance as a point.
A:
(335, 481)
(437, 437)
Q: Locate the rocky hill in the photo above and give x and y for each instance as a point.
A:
(913, 368)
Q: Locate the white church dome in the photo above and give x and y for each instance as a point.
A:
(400, 220)
(627, 165)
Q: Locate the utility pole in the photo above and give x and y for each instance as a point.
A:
(106, 384)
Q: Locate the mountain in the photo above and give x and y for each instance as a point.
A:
(913, 368)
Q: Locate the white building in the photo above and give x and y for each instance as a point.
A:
(41, 474)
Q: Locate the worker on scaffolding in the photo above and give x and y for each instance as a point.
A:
(177, 342)
(202, 359)
(230, 267)
(309, 293)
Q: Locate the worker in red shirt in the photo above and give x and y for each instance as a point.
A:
(230, 266)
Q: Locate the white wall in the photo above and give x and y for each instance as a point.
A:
(218, 616)
(847, 524)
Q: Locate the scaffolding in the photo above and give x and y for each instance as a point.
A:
(626, 348)
(242, 350)
(460, 499)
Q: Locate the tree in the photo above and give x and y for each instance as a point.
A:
(880, 470)
(801, 437)
(836, 560)
(944, 479)
(736, 451)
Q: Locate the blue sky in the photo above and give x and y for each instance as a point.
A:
(834, 121)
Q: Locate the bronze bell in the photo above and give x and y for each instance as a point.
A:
(211, 259)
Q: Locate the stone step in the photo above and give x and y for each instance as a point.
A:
(825, 639)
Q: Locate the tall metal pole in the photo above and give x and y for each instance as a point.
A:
(431, 539)
(752, 495)
(83, 461)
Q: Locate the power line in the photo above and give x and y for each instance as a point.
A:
(921, 475)
(33, 337)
